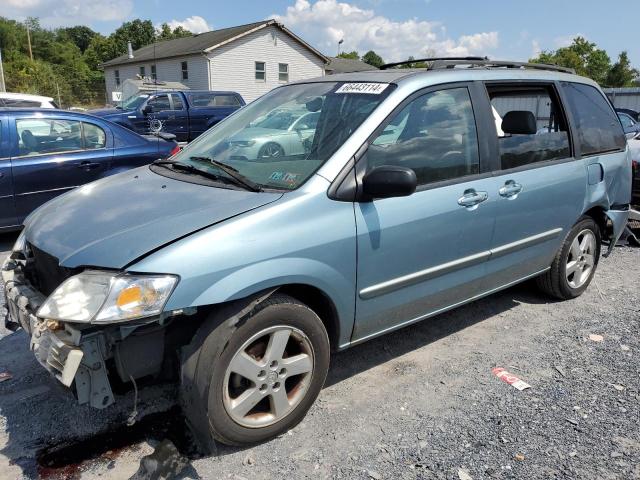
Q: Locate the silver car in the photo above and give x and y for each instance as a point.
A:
(281, 133)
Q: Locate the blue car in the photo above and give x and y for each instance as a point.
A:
(44, 153)
(183, 114)
(419, 191)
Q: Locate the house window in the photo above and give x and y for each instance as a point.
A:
(142, 71)
(153, 72)
(117, 75)
(261, 73)
(283, 72)
(185, 70)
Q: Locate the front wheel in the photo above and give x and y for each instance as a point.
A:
(271, 151)
(259, 378)
(575, 262)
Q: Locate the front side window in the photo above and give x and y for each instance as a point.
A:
(160, 103)
(283, 72)
(261, 71)
(185, 70)
(626, 120)
(281, 139)
(434, 135)
(19, 103)
(530, 124)
(599, 130)
(37, 136)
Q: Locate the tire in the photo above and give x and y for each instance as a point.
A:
(215, 397)
(271, 151)
(566, 280)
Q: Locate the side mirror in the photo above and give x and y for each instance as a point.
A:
(147, 109)
(389, 181)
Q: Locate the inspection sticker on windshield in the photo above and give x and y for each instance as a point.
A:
(369, 88)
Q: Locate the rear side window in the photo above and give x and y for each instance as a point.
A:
(94, 136)
(434, 135)
(598, 127)
(530, 124)
(38, 136)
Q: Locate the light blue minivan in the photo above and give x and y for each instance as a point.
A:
(417, 191)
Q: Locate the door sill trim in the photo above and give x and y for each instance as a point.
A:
(441, 310)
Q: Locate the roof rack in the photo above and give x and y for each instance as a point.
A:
(434, 59)
(482, 62)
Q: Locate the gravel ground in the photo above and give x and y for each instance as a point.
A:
(420, 403)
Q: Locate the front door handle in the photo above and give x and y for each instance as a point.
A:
(510, 190)
(471, 199)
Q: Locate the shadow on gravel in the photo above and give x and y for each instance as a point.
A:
(50, 436)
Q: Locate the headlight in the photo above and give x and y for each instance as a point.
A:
(242, 143)
(21, 243)
(102, 297)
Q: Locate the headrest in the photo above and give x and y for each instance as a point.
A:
(519, 122)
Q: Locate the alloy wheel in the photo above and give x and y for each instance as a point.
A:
(268, 376)
(581, 259)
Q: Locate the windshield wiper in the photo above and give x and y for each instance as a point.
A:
(238, 178)
(175, 165)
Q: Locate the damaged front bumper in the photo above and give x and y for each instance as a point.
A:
(74, 358)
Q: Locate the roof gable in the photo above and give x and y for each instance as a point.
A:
(200, 43)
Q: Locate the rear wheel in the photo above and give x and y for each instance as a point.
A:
(575, 262)
(259, 378)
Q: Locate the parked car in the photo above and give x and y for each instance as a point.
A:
(24, 100)
(241, 276)
(630, 126)
(632, 113)
(281, 133)
(183, 114)
(44, 153)
(634, 148)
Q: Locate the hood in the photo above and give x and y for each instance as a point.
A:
(109, 112)
(112, 222)
(257, 132)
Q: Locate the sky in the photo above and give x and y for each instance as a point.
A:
(396, 29)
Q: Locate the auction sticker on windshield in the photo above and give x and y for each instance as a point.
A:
(368, 88)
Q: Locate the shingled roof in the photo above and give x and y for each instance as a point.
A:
(200, 43)
(347, 65)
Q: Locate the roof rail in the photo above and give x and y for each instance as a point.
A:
(482, 62)
(434, 59)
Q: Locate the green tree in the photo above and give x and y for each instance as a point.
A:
(583, 56)
(80, 35)
(138, 32)
(622, 74)
(373, 59)
(165, 32)
(351, 55)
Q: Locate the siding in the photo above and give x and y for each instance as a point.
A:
(233, 65)
(168, 70)
(624, 97)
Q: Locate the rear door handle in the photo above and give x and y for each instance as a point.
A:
(471, 199)
(88, 165)
(511, 189)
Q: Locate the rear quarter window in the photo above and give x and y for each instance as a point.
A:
(597, 125)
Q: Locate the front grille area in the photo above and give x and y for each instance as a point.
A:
(44, 271)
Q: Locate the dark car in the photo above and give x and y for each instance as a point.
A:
(632, 113)
(183, 114)
(630, 126)
(44, 153)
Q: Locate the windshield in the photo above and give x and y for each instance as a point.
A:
(281, 139)
(134, 102)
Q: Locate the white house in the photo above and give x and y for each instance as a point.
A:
(249, 59)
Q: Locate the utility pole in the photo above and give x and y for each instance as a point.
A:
(3, 87)
(58, 89)
(29, 42)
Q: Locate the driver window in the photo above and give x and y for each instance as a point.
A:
(160, 103)
(434, 135)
